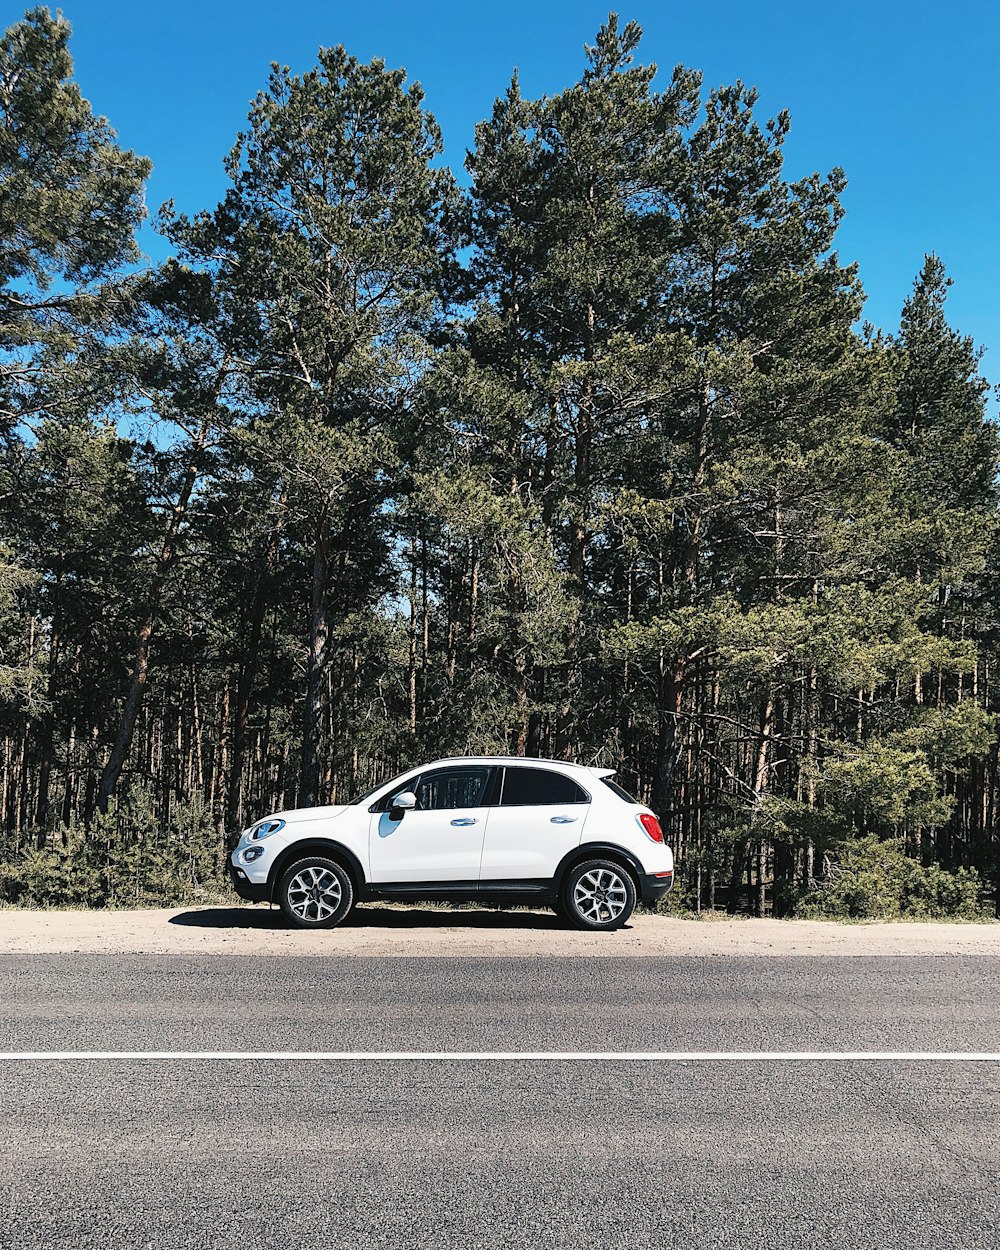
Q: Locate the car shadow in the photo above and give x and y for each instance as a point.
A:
(375, 917)
(231, 918)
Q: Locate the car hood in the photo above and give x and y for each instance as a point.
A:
(299, 815)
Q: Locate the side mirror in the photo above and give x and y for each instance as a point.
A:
(404, 802)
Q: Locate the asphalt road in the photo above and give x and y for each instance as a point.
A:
(146, 1002)
(546, 1153)
(540, 1154)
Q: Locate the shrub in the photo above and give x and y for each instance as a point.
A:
(874, 880)
(127, 859)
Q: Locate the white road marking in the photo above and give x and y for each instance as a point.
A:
(486, 1056)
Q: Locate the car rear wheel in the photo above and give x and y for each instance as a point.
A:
(597, 894)
(315, 893)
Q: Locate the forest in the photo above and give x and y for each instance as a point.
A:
(587, 453)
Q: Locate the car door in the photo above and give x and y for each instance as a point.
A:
(540, 816)
(441, 839)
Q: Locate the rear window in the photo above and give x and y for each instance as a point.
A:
(539, 787)
(622, 793)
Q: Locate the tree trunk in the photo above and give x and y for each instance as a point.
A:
(319, 641)
(670, 696)
(761, 780)
(48, 726)
(144, 633)
(248, 672)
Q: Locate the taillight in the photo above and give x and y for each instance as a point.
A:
(651, 825)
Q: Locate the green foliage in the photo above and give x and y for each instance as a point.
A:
(129, 858)
(873, 880)
(21, 682)
(330, 240)
(899, 779)
(69, 195)
(948, 735)
(70, 200)
(894, 783)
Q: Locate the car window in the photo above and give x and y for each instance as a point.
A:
(523, 786)
(615, 788)
(448, 788)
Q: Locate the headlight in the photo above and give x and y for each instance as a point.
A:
(265, 829)
(252, 853)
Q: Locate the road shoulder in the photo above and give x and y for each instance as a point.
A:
(388, 931)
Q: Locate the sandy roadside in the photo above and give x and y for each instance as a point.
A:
(387, 931)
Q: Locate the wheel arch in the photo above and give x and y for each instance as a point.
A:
(598, 850)
(317, 846)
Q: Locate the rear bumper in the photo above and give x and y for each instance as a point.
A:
(252, 891)
(653, 886)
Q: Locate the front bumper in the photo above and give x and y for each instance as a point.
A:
(252, 891)
(653, 886)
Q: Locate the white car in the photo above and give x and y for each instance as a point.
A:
(500, 830)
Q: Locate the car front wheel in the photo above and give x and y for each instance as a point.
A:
(315, 893)
(598, 894)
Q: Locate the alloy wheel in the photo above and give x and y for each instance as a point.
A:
(314, 894)
(600, 896)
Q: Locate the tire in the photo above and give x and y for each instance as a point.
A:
(597, 894)
(315, 893)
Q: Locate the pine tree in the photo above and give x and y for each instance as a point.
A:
(70, 202)
(571, 226)
(329, 247)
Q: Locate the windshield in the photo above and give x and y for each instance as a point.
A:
(370, 794)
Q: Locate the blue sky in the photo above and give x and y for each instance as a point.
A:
(904, 96)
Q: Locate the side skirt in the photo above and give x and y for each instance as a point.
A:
(534, 891)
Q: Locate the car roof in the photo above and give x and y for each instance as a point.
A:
(528, 760)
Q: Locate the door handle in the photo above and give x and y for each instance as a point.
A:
(465, 820)
(562, 820)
